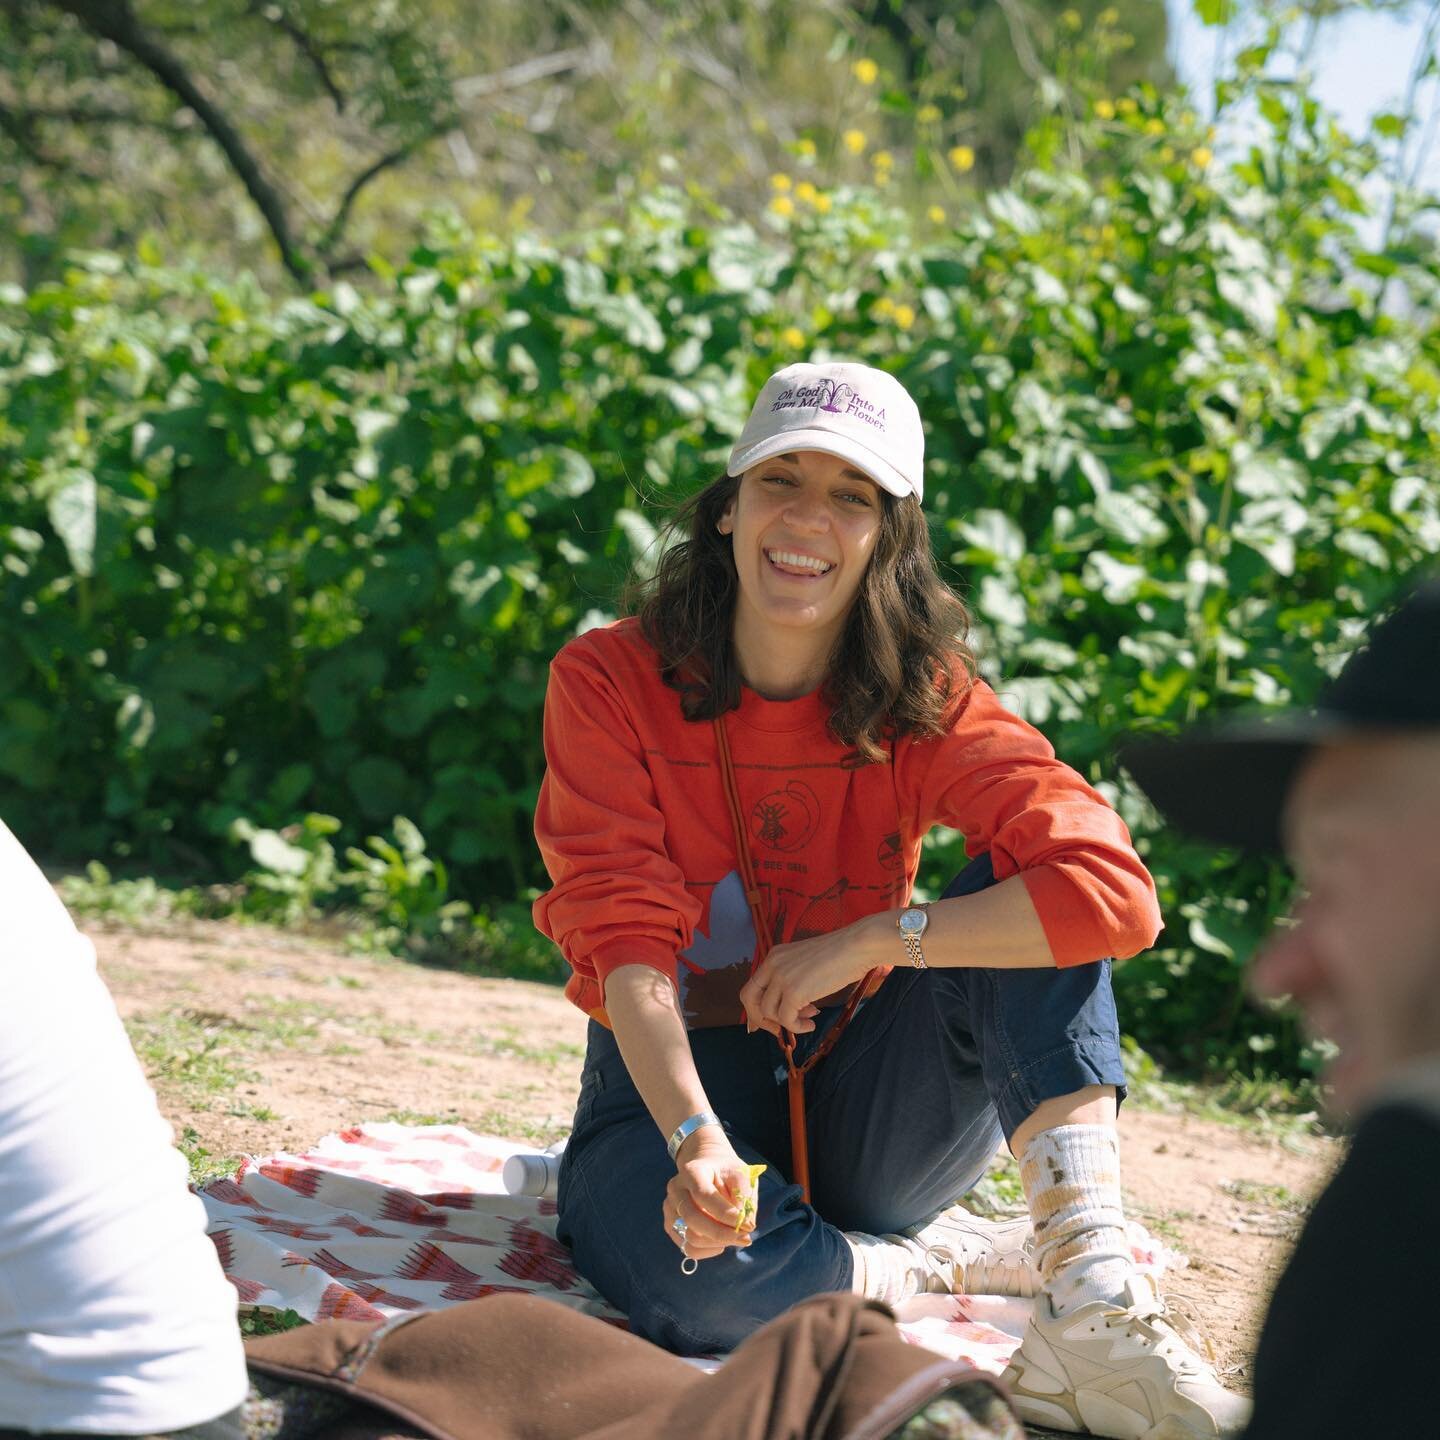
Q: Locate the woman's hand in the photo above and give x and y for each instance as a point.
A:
(782, 992)
(709, 1191)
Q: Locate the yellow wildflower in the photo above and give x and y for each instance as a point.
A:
(1187, 118)
(1154, 126)
(883, 306)
(904, 316)
(928, 114)
(1201, 156)
(882, 159)
(936, 214)
(854, 141)
(1108, 234)
(792, 337)
(1108, 16)
(962, 157)
(1126, 106)
(783, 205)
(780, 181)
(749, 1202)
(806, 148)
(806, 191)
(822, 203)
(865, 71)
(1071, 20)
(1104, 109)
(1167, 154)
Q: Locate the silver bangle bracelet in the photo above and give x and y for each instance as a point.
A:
(686, 1128)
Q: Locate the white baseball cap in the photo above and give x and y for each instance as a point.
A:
(856, 412)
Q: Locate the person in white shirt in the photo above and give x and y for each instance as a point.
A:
(115, 1318)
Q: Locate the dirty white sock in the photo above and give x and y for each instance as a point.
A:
(888, 1269)
(1071, 1179)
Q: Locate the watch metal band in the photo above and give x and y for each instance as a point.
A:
(916, 954)
(686, 1128)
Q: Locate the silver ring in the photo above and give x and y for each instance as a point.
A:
(679, 1226)
(689, 1265)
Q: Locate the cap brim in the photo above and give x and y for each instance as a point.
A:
(1228, 786)
(880, 470)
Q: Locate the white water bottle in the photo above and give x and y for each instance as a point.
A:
(537, 1175)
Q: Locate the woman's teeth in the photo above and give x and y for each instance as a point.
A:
(788, 559)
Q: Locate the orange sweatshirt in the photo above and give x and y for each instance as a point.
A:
(635, 831)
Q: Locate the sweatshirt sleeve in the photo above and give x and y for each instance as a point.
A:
(996, 780)
(617, 898)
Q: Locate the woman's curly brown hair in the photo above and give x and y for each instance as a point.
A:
(899, 663)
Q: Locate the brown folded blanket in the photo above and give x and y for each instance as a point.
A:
(518, 1367)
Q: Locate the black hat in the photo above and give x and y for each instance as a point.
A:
(1227, 784)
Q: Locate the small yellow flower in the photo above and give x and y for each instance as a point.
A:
(1187, 119)
(792, 337)
(1167, 154)
(883, 306)
(962, 157)
(780, 181)
(1108, 234)
(882, 159)
(1209, 134)
(1108, 16)
(1154, 126)
(805, 148)
(928, 114)
(904, 316)
(1071, 20)
(854, 141)
(1126, 106)
(806, 191)
(1201, 156)
(749, 1201)
(783, 205)
(936, 214)
(865, 71)
(822, 203)
(1104, 109)
(880, 175)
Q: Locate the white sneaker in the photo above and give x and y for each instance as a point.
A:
(1120, 1369)
(966, 1254)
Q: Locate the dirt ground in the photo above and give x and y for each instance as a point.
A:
(257, 1041)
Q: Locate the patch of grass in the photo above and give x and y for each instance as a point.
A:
(1272, 1197)
(188, 1049)
(269, 1322)
(420, 1117)
(998, 1191)
(1288, 1111)
(509, 1044)
(242, 1110)
(539, 1132)
(204, 1166)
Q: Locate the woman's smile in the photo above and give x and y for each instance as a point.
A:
(797, 565)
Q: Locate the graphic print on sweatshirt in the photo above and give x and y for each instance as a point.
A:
(717, 964)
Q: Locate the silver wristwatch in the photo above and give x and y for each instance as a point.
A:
(912, 922)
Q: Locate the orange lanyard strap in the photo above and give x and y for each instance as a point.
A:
(799, 1143)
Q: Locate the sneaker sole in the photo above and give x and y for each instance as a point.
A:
(1065, 1414)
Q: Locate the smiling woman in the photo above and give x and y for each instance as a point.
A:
(739, 780)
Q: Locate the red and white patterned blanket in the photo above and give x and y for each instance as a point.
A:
(385, 1218)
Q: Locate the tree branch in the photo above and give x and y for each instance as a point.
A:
(378, 167)
(305, 45)
(476, 87)
(115, 20)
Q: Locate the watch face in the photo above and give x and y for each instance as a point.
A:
(912, 922)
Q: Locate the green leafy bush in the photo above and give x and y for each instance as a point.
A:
(264, 558)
